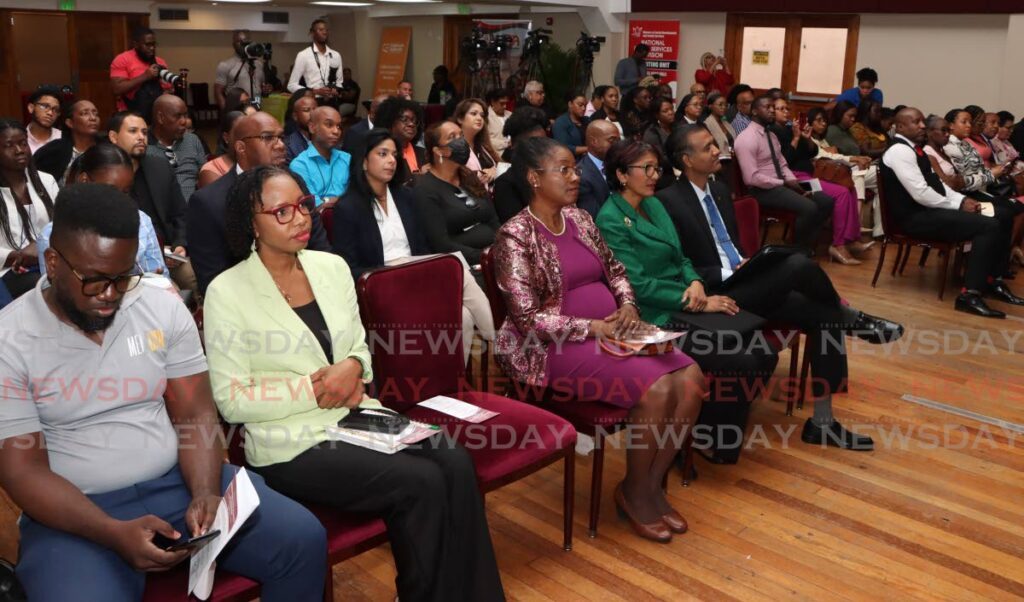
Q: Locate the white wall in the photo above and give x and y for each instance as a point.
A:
(698, 33)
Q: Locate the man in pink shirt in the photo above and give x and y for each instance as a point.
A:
(767, 175)
(134, 75)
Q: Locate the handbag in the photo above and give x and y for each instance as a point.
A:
(10, 588)
(376, 420)
(833, 171)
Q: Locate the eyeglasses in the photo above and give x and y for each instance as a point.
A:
(48, 108)
(96, 285)
(285, 213)
(565, 170)
(409, 120)
(650, 171)
(267, 138)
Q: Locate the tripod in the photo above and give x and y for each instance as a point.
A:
(530, 68)
(583, 74)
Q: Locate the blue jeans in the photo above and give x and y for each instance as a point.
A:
(282, 545)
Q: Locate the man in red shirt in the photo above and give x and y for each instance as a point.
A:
(134, 75)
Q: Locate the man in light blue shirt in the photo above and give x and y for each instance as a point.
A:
(323, 167)
(150, 256)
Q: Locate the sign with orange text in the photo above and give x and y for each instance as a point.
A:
(391, 58)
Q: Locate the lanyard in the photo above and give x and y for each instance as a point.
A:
(319, 67)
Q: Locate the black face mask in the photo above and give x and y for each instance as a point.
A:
(460, 151)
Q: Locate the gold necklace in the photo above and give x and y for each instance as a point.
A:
(287, 297)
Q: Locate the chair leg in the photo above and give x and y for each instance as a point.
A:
(785, 231)
(805, 369)
(794, 355)
(924, 257)
(906, 256)
(569, 495)
(881, 260)
(899, 257)
(942, 275)
(595, 483)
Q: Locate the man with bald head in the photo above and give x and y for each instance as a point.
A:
(169, 138)
(601, 135)
(259, 140)
(323, 167)
(354, 135)
(924, 207)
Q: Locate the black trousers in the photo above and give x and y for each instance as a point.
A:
(428, 497)
(798, 292)
(811, 212)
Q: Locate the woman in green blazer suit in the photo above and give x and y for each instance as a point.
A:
(288, 357)
(643, 237)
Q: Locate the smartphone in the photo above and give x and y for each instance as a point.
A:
(168, 254)
(193, 544)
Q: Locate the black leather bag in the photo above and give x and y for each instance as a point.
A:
(10, 588)
(375, 420)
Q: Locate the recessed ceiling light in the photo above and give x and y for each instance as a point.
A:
(333, 3)
(412, 1)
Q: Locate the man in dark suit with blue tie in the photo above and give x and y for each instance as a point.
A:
(601, 135)
(793, 291)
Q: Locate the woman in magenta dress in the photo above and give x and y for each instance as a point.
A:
(565, 291)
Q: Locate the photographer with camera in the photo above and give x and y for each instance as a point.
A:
(318, 67)
(630, 70)
(138, 76)
(244, 70)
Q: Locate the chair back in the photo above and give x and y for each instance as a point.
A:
(413, 319)
(327, 221)
(200, 93)
(748, 223)
(494, 298)
(739, 186)
(889, 222)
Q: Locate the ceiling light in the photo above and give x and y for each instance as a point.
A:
(242, 1)
(412, 1)
(333, 3)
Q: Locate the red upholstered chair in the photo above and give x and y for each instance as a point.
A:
(904, 243)
(413, 318)
(327, 221)
(767, 214)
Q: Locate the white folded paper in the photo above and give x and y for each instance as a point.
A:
(240, 500)
(458, 409)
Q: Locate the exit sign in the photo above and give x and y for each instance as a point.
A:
(66, 5)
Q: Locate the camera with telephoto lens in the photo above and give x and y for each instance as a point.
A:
(175, 79)
(256, 50)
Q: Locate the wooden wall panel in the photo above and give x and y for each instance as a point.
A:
(834, 6)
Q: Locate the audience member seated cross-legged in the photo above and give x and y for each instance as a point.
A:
(25, 208)
(863, 171)
(795, 291)
(925, 207)
(259, 140)
(800, 152)
(83, 123)
(427, 494)
(566, 296)
(98, 478)
(968, 161)
(643, 238)
(453, 205)
(225, 162)
(376, 223)
(766, 173)
(322, 167)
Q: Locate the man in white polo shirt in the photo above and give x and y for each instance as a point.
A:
(319, 66)
(108, 431)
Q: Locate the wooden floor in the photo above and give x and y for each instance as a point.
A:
(935, 516)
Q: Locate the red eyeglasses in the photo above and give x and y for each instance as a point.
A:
(285, 213)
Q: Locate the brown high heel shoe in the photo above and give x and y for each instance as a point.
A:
(655, 531)
(675, 522)
(858, 247)
(841, 255)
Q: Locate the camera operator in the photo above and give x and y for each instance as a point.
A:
(630, 70)
(317, 67)
(244, 70)
(138, 76)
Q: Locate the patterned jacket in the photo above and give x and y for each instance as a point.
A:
(969, 164)
(529, 276)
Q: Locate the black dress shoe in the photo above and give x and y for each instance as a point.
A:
(1001, 292)
(876, 331)
(836, 436)
(972, 303)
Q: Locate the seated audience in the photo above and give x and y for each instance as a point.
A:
(419, 492)
(106, 163)
(259, 140)
(658, 132)
(454, 207)
(566, 296)
(155, 191)
(937, 137)
(690, 109)
(641, 235)
(800, 152)
(405, 90)
(609, 106)
(83, 123)
(868, 131)
(721, 129)
(44, 111)
(471, 116)
(289, 115)
(169, 139)
(867, 80)
(766, 173)
(497, 115)
(352, 140)
(323, 168)
(965, 156)
(237, 99)
(635, 115)
(442, 91)
(794, 292)
(698, 89)
(568, 128)
(594, 190)
(98, 480)
(1004, 150)
(404, 119)
(376, 223)
(595, 101)
(300, 114)
(27, 206)
(534, 95)
(844, 115)
(714, 74)
(925, 207)
(216, 167)
(525, 122)
(741, 99)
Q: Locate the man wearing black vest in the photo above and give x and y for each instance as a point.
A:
(924, 207)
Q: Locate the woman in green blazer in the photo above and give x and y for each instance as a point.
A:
(642, 236)
(288, 357)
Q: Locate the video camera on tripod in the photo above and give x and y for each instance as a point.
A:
(586, 46)
(535, 40)
(257, 50)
